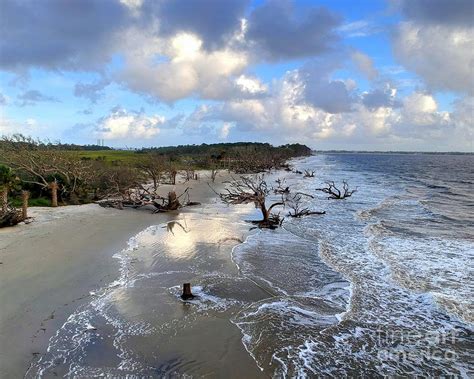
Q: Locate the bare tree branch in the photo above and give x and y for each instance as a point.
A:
(335, 193)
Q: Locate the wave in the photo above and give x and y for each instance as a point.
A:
(356, 292)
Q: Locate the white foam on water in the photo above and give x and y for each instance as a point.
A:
(342, 288)
(203, 300)
(377, 300)
(69, 342)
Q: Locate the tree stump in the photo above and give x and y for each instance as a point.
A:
(173, 202)
(24, 209)
(187, 294)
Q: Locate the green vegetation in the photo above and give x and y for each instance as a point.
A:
(37, 202)
(199, 155)
(71, 174)
(110, 156)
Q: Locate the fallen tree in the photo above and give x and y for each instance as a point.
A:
(141, 197)
(335, 193)
(10, 216)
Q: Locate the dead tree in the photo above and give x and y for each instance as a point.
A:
(153, 166)
(308, 174)
(172, 202)
(140, 197)
(214, 173)
(253, 189)
(10, 217)
(41, 164)
(188, 174)
(281, 189)
(295, 203)
(335, 193)
(165, 204)
(172, 172)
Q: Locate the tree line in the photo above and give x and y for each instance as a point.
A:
(51, 170)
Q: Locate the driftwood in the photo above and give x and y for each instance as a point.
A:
(142, 197)
(297, 210)
(335, 193)
(281, 189)
(10, 217)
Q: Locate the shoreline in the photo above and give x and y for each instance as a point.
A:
(49, 267)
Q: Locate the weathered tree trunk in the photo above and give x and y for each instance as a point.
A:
(187, 294)
(54, 194)
(25, 195)
(5, 200)
(265, 212)
(173, 202)
(173, 177)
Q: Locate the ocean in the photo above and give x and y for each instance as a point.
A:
(380, 285)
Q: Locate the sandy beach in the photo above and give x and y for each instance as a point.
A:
(49, 267)
(94, 292)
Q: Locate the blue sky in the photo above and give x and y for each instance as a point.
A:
(366, 75)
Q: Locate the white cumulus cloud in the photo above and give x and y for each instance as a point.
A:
(121, 124)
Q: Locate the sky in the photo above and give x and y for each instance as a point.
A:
(353, 75)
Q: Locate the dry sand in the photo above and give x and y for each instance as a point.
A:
(49, 267)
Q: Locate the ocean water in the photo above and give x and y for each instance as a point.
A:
(381, 285)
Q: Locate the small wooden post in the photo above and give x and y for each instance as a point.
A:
(25, 195)
(187, 294)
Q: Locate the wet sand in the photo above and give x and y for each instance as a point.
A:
(49, 267)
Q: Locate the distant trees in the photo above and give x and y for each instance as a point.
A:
(50, 169)
(69, 176)
(222, 151)
(242, 157)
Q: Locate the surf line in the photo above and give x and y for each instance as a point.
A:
(240, 270)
